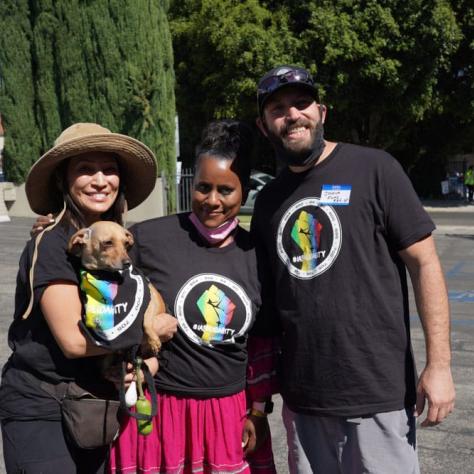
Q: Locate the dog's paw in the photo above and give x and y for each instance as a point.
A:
(151, 348)
(155, 346)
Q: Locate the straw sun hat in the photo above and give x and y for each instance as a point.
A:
(137, 162)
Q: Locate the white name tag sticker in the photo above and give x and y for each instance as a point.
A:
(335, 194)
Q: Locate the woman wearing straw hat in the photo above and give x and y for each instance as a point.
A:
(91, 174)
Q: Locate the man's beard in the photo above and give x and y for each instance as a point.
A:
(293, 154)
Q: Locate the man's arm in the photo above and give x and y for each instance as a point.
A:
(435, 383)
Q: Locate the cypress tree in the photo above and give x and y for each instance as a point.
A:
(17, 95)
(105, 61)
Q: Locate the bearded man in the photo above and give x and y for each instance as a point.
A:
(335, 232)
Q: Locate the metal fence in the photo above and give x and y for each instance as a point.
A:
(178, 191)
(184, 189)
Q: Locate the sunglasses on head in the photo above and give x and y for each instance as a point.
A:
(268, 85)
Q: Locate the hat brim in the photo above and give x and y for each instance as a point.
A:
(138, 169)
(300, 85)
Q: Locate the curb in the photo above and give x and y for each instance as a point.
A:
(468, 209)
(454, 230)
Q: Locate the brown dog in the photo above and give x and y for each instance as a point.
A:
(103, 247)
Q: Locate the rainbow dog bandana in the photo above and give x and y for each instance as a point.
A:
(114, 307)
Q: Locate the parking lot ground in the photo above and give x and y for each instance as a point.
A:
(445, 449)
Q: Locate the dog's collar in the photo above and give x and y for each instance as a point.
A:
(108, 274)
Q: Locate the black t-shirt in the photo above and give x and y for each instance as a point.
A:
(214, 293)
(328, 242)
(36, 355)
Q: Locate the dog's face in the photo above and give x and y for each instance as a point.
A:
(102, 246)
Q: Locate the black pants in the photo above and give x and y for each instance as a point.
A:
(41, 447)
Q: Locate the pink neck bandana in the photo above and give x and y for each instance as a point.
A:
(214, 236)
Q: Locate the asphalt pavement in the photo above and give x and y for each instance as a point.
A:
(445, 449)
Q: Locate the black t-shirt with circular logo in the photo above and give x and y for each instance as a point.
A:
(36, 355)
(329, 239)
(214, 293)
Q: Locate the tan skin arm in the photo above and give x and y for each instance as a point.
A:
(435, 383)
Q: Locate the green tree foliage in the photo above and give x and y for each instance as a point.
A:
(388, 69)
(221, 47)
(17, 95)
(449, 130)
(105, 61)
(379, 62)
(457, 87)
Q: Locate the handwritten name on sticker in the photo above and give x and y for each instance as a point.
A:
(335, 194)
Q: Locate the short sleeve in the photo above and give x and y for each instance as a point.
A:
(53, 263)
(406, 221)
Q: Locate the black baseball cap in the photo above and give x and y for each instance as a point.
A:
(283, 76)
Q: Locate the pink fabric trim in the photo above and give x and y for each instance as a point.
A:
(214, 236)
(189, 436)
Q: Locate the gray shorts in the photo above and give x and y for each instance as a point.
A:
(384, 443)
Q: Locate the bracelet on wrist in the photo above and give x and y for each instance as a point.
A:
(257, 413)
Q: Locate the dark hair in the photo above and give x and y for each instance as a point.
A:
(73, 215)
(229, 140)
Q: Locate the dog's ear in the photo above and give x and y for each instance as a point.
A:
(77, 241)
(128, 239)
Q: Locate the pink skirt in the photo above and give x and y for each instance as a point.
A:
(189, 436)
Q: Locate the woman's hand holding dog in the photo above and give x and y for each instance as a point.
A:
(165, 326)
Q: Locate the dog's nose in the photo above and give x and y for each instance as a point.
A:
(126, 262)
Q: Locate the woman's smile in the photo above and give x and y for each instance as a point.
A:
(217, 192)
(93, 181)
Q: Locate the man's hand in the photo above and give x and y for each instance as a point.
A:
(165, 325)
(435, 385)
(255, 432)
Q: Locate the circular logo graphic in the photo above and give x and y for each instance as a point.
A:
(213, 309)
(112, 304)
(309, 238)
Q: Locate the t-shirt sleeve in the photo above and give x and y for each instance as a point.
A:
(406, 221)
(52, 264)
